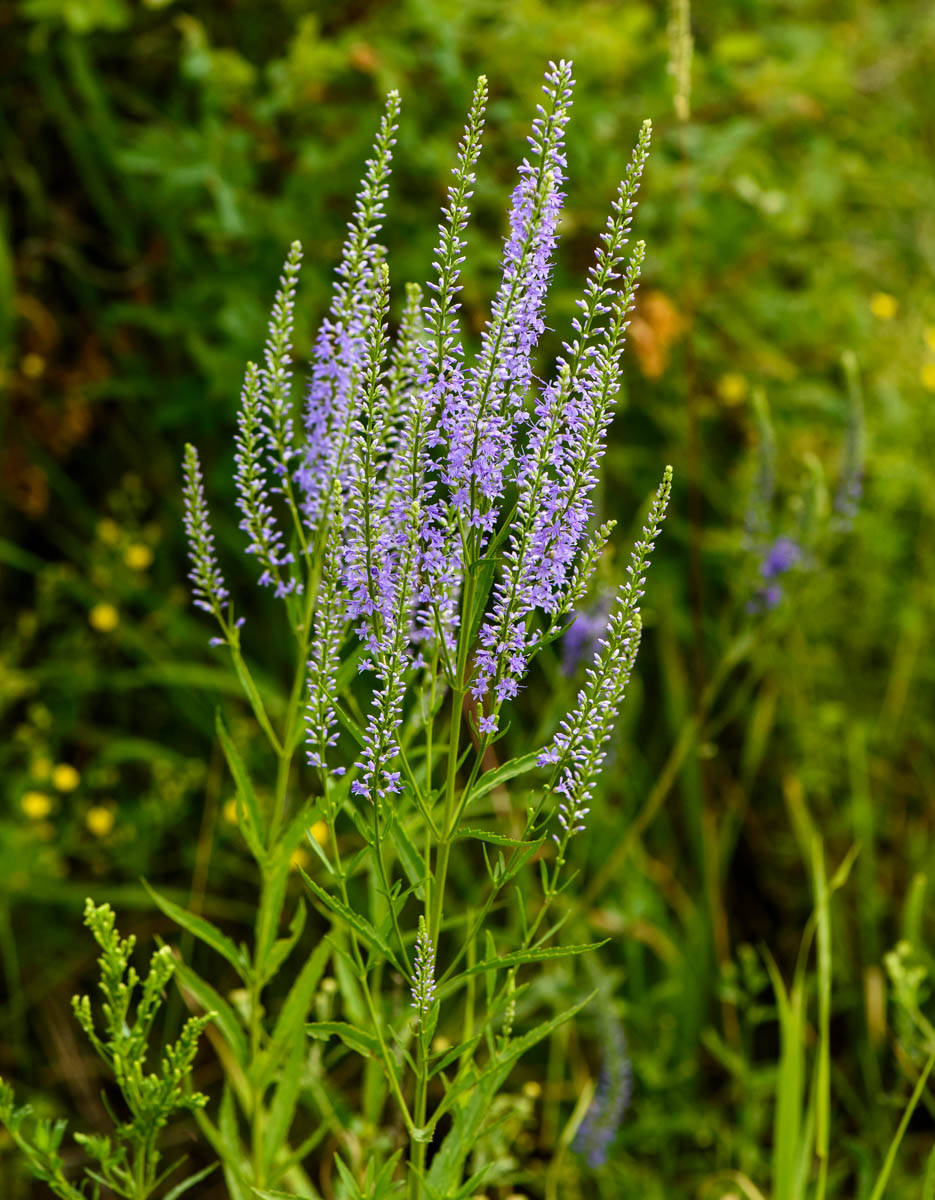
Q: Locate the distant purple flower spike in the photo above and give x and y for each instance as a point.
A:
(781, 557)
(611, 1099)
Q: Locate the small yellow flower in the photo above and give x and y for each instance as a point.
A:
(440, 1044)
(36, 805)
(532, 1090)
(319, 832)
(33, 366)
(99, 820)
(229, 811)
(104, 618)
(65, 777)
(930, 337)
(732, 387)
(927, 375)
(108, 531)
(299, 858)
(40, 769)
(137, 556)
(883, 306)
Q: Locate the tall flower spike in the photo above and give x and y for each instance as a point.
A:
(258, 522)
(559, 469)
(375, 778)
(276, 376)
(367, 553)
(328, 635)
(339, 347)
(208, 589)
(481, 424)
(442, 385)
(423, 978)
(577, 750)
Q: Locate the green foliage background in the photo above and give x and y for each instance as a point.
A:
(157, 160)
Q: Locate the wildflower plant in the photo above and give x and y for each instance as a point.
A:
(427, 522)
(127, 1162)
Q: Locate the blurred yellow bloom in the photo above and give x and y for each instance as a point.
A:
(440, 1044)
(299, 858)
(732, 387)
(33, 366)
(104, 618)
(65, 777)
(99, 820)
(319, 832)
(40, 769)
(927, 375)
(229, 811)
(532, 1090)
(137, 556)
(883, 306)
(108, 531)
(36, 805)
(930, 337)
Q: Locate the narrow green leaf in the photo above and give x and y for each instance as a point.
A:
(361, 926)
(211, 1001)
(496, 839)
(500, 775)
(519, 957)
(285, 1097)
(352, 1037)
(245, 790)
(410, 858)
(294, 1011)
(282, 947)
(181, 1188)
(204, 931)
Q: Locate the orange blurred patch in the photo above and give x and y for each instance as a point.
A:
(655, 327)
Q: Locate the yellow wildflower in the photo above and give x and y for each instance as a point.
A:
(732, 387)
(104, 618)
(33, 366)
(927, 375)
(137, 556)
(65, 777)
(883, 306)
(299, 858)
(229, 811)
(319, 832)
(99, 820)
(36, 805)
(532, 1090)
(108, 531)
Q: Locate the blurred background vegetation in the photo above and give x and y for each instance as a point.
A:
(158, 158)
